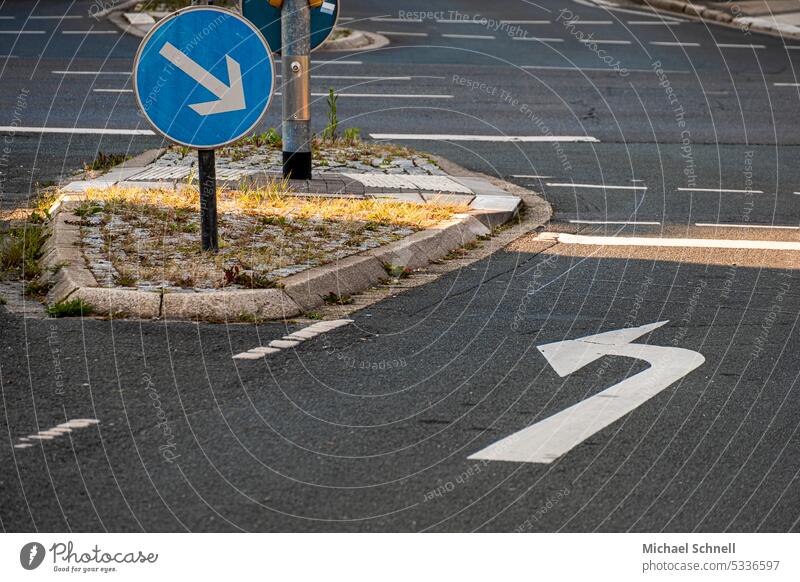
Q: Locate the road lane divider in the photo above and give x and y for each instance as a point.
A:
(74, 130)
(767, 226)
(55, 432)
(496, 138)
(721, 190)
(292, 340)
(592, 186)
(645, 241)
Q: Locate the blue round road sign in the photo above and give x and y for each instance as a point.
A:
(203, 77)
(268, 19)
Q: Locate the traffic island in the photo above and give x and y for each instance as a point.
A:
(126, 244)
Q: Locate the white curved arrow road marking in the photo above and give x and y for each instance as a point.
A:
(550, 438)
(231, 96)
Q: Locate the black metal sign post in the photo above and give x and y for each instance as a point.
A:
(208, 200)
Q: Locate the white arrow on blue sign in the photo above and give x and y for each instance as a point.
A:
(268, 19)
(204, 77)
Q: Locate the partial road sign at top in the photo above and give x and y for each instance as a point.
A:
(268, 19)
(204, 77)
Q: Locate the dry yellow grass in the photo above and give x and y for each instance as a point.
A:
(151, 237)
(274, 200)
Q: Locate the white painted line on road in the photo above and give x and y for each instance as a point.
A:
(734, 45)
(595, 41)
(767, 226)
(470, 36)
(55, 432)
(684, 44)
(496, 138)
(293, 339)
(62, 17)
(786, 84)
(393, 33)
(533, 176)
(388, 19)
(642, 241)
(74, 130)
(525, 21)
(363, 77)
(652, 22)
(22, 31)
(618, 222)
(126, 73)
(720, 190)
(596, 69)
(537, 39)
(345, 62)
(593, 22)
(548, 439)
(89, 32)
(113, 90)
(383, 95)
(598, 186)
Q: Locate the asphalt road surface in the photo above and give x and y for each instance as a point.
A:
(682, 409)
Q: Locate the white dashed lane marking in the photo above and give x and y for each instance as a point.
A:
(724, 225)
(682, 44)
(721, 190)
(55, 432)
(643, 241)
(470, 36)
(497, 138)
(618, 222)
(292, 340)
(395, 33)
(593, 186)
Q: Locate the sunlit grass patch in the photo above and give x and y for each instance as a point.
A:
(151, 238)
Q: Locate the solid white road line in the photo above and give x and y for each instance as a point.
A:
(388, 19)
(22, 31)
(538, 39)
(74, 130)
(593, 22)
(643, 241)
(651, 22)
(525, 21)
(767, 226)
(496, 138)
(471, 36)
(63, 17)
(595, 41)
(619, 222)
(598, 186)
(383, 95)
(533, 176)
(596, 69)
(720, 190)
(786, 84)
(89, 32)
(112, 90)
(127, 73)
(293, 339)
(684, 44)
(734, 45)
(394, 33)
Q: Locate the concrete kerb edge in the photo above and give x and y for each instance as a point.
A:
(297, 294)
(720, 17)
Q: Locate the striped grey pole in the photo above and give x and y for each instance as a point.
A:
(296, 46)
